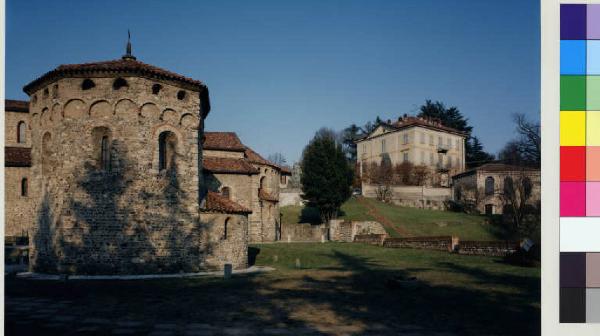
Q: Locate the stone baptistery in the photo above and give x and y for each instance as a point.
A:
(117, 167)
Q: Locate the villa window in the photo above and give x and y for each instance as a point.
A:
(24, 187)
(21, 129)
(440, 141)
(383, 146)
(489, 186)
(406, 139)
(431, 140)
(156, 88)
(422, 138)
(167, 142)
(405, 157)
(508, 185)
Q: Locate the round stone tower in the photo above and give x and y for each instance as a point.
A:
(116, 163)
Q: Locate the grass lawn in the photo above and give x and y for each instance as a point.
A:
(405, 221)
(351, 210)
(340, 288)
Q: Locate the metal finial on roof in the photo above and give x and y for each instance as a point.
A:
(128, 55)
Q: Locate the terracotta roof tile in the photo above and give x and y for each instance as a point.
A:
(228, 165)
(11, 105)
(428, 123)
(17, 157)
(217, 203)
(225, 141)
(254, 157)
(264, 195)
(126, 66)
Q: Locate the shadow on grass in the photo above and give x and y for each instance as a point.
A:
(355, 296)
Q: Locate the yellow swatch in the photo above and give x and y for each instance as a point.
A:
(572, 128)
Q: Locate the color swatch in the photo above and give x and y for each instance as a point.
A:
(579, 163)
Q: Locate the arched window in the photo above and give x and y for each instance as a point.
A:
(508, 185)
(24, 187)
(167, 142)
(46, 93)
(87, 84)
(46, 153)
(262, 183)
(226, 228)
(489, 185)
(225, 192)
(119, 83)
(156, 88)
(105, 153)
(181, 95)
(21, 129)
(101, 140)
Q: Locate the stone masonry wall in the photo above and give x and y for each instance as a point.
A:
(18, 210)
(134, 218)
(226, 249)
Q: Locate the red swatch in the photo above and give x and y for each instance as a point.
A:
(572, 163)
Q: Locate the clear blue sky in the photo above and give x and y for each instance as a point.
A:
(279, 70)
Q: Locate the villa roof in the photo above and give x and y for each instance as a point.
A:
(411, 121)
(17, 157)
(124, 66)
(11, 105)
(228, 165)
(218, 203)
(431, 123)
(225, 141)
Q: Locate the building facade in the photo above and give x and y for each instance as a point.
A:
(487, 188)
(420, 141)
(18, 217)
(115, 178)
(239, 173)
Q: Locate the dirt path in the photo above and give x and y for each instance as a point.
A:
(372, 211)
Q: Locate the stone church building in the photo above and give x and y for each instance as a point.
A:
(109, 171)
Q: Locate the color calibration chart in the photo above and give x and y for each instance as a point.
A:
(580, 163)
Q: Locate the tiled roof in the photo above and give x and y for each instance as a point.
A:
(285, 170)
(228, 165)
(263, 195)
(16, 106)
(428, 123)
(225, 141)
(495, 167)
(254, 157)
(17, 157)
(217, 203)
(124, 66)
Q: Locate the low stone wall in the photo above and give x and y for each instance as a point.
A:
(488, 248)
(290, 196)
(303, 232)
(443, 243)
(414, 196)
(345, 231)
(373, 239)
